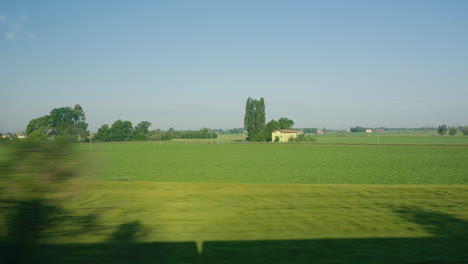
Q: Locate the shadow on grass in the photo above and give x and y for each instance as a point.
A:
(449, 245)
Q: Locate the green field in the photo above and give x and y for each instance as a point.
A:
(281, 223)
(196, 202)
(279, 163)
(394, 138)
(423, 138)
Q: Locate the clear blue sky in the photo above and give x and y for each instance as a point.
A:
(192, 64)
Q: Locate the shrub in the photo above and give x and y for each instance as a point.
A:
(303, 138)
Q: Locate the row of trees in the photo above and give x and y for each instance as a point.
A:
(357, 129)
(254, 121)
(124, 131)
(443, 129)
(229, 131)
(202, 133)
(119, 131)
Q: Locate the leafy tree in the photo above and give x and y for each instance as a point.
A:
(121, 131)
(309, 130)
(465, 130)
(68, 121)
(442, 130)
(39, 127)
(103, 133)
(453, 131)
(303, 138)
(159, 135)
(270, 127)
(254, 120)
(202, 133)
(63, 121)
(286, 123)
(142, 130)
(205, 130)
(357, 129)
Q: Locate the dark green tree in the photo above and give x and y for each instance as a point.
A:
(442, 130)
(39, 127)
(270, 127)
(63, 121)
(249, 118)
(68, 121)
(103, 133)
(358, 129)
(254, 120)
(286, 123)
(121, 131)
(142, 130)
(309, 130)
(465, 130)
(453, 131)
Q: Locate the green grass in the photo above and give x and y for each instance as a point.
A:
(222, 139)
(268, 203)
(394, 138)
(237, 212)
(398, 139)
(272, 223)
(279, 163)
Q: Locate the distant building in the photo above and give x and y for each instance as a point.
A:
(379, 131)
(283, 135)
(368, 130)
(19, 135)
(348, 131)
(320, 132)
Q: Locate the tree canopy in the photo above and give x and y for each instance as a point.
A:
(103, 133)
(141, 130)
(442, 130)
(254, 120)
(270, 127)
(63, 121)
(465, 130)
(358, 129)
(453, 131)
(121, 131)
(285, 123)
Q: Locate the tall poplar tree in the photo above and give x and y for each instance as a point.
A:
(254, 120)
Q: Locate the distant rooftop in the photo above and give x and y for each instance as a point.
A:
(287, 130)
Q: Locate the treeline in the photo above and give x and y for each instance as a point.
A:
(202, 133)
(452, 131)
(124, 131)
(229, 131)
(441, 130)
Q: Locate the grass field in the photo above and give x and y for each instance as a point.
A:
(276, 223)
(269, 203)
(394, 138)
(235, 212)
(279, 163)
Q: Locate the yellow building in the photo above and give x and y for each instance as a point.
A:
(283, 135)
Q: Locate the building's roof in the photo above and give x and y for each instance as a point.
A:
(287, 131)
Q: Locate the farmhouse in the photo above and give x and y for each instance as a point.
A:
(283, 135)
(19, 135)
